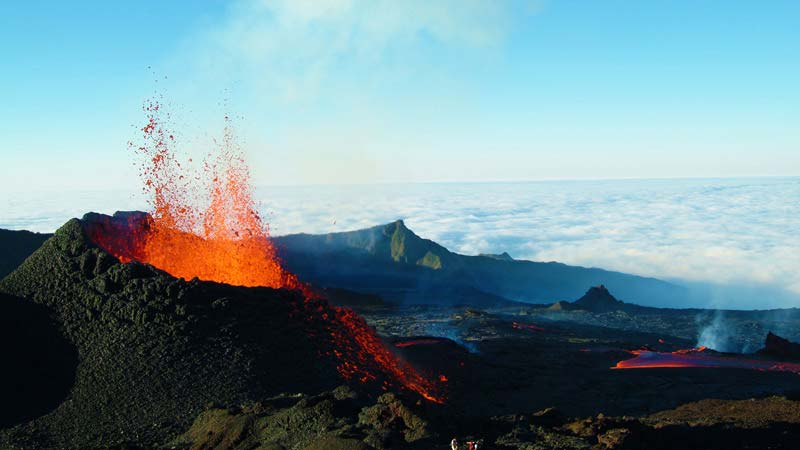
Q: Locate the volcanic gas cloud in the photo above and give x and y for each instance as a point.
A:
(205, 225)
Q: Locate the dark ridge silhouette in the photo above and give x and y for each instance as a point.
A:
(598, 299)
(38, 362)
(502, 256)
(16, 246)
(778, 347)
(392, 261)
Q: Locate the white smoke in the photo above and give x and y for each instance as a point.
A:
(716, 334)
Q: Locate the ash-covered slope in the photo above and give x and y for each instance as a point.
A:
(154, 350)
(394, 262)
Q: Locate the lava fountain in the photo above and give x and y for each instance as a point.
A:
(205, 226)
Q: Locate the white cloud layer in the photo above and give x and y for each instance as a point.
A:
(727, 231)
(741, 232)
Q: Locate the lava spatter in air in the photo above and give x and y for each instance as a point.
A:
(205, 225)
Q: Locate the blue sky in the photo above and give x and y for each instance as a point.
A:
(346, 91)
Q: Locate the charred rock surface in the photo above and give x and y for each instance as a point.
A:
(340, 420)
(779, 347)
(336, 420)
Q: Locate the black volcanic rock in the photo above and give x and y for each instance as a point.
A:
(38, 362)
(597, 299)
(561, 305)
(154, 350)
(778, 347)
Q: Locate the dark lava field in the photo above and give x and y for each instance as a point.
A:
(103, 354)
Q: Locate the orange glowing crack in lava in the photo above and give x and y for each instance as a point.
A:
(646, 359)
(222, 238)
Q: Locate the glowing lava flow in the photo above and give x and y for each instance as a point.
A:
(419, 341)
(645, 359)
(525, 326)
(215, 234)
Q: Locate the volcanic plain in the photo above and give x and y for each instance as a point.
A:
(517, 354)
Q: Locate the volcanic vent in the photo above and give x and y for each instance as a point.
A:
(184, 306)
(205, 225)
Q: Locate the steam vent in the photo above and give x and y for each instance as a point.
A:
(144, 352)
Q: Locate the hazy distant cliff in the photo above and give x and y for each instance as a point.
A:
(393, 261)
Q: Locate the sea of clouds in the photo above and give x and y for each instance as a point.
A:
(735, 240)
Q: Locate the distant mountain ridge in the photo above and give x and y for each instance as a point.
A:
(393, 241)
(392, 261)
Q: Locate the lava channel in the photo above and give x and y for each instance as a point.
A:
(645, 359)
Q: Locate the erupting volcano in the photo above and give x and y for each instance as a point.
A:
(206, 226)
(210, 230)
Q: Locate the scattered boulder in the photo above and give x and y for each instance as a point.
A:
(391, 421)
(549, 417)
(615, 438)
(333, 420)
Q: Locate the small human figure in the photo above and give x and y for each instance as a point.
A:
(470, 445)
(454, 444)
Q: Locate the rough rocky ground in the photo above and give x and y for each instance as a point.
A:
(339, 420)
(111, 355)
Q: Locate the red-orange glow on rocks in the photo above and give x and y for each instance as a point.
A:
(413, 342)
(206, 226)
(525, 326)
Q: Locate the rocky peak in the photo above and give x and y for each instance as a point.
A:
(779, 347)
(598, 299)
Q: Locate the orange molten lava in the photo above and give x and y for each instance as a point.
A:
(215, 234)
(413, 342)
(525, 326)
(219, 237)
